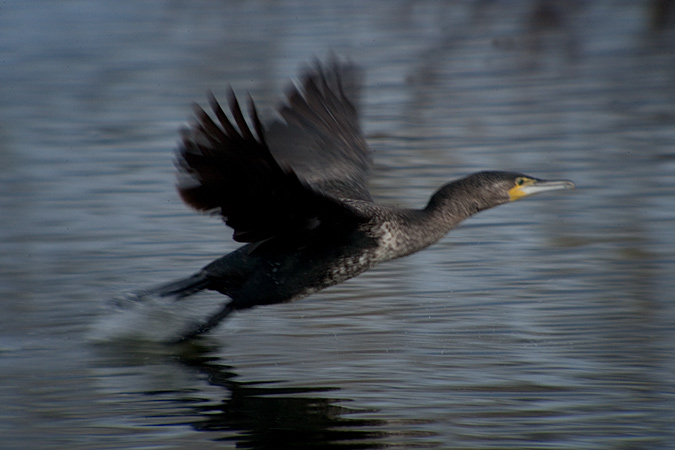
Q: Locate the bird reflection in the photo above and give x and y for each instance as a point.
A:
(267, 415)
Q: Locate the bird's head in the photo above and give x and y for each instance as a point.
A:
(503, 187)
(484, 190)
(519, 186)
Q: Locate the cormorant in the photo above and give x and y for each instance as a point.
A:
(295, 193)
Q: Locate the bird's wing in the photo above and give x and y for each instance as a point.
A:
(225, 166)
(318, 132)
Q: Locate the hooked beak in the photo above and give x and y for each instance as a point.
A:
(533, 186)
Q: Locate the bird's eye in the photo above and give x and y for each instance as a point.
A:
(520, 181)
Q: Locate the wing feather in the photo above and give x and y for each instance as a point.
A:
(226, 167)
(318, 133)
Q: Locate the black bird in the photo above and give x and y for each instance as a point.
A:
(295, 193)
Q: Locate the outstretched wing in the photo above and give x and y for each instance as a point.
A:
(225, 166)
(318, 133)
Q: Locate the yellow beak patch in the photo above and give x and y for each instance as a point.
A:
(524, 187)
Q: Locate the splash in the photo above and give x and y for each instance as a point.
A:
(146, 317)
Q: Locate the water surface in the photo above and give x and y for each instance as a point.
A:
(546, 323)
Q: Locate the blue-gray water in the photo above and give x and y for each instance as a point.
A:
(547, 323)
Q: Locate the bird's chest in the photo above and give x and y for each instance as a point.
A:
(391, 242)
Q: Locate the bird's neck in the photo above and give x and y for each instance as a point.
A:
(455, 202)
(447, 207)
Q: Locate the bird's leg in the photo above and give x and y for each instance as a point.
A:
(208, 325)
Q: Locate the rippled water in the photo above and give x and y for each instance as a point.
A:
(546, 323)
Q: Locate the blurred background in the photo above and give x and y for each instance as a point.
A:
(548, 323)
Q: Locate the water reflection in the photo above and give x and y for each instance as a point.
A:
(265, 416)
(256, 414)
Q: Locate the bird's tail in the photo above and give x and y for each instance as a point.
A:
(180, 288)
(176, 289)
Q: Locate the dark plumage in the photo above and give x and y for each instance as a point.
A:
(296, 193)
